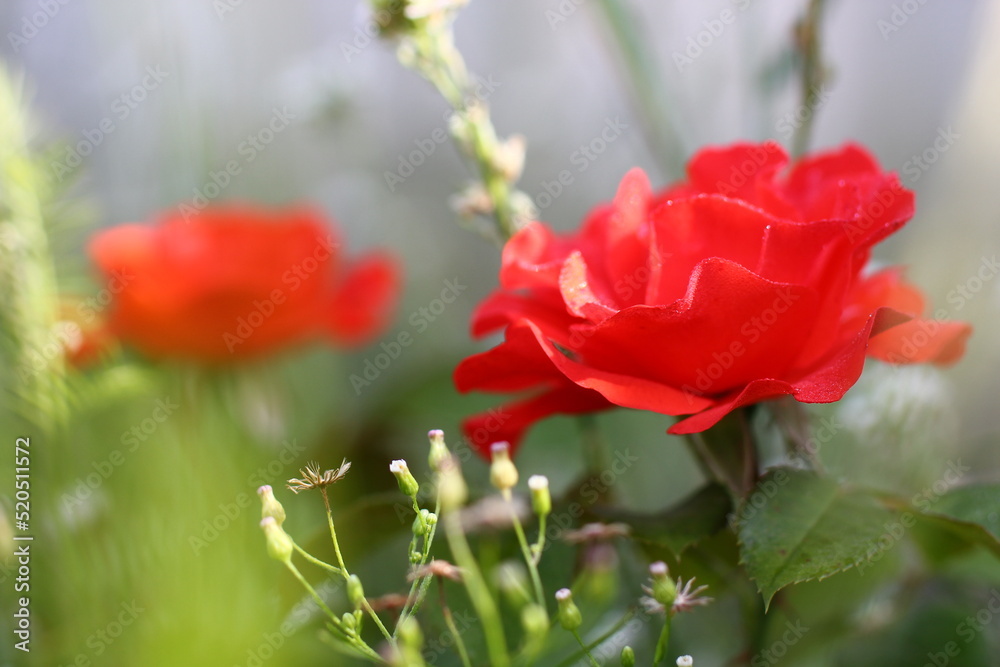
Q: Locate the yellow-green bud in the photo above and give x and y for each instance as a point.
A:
(628, 657)
(424, 522)
(279, 544)
(534, 620)
(439, 451)
(270, 505)
(410, 635)
(569, 614)
(407, 482)
(512, 581)
(350, 622)
(541, 499)
(503, 472)
(452, 489)
(664, 589)
(355, 591)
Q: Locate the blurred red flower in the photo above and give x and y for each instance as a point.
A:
(740, 284)
(237, 281)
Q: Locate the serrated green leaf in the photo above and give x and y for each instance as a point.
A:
(696, 517)
(969, 513)
(975, 503)
(798, 526)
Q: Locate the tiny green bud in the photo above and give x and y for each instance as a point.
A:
(270, 505)
(422, 524)
(503, 472)
(512, 581)
(569, 614)
(410, 635)
(439, 451)
(279, 544)
(534, 620)
(452, 489)
(664, 589)
(541, 499)
(355, 591)
(407, 482)
(628, 657)
(350, 622)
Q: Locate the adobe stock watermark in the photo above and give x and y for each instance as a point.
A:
(581, 158)
(914, 168)
(419, 320)
(958, 297)
(900, 15)
(249, 150)
(102, 638)
(369, 30)
(793, 120)
(967, 630)
(293, 278)
(712, 29)
(121, 109)
(300, 614)
(33, 23)
(896, 529)
(64, 335)
(212, 528)
(562, 12)
(91, 307)
(750, 332)
(131, 441)
(771, 655)
(407, 165)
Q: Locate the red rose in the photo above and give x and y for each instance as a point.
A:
(238, 281)
(740, 284)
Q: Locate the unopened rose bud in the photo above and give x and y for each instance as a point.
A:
(503, 472)
(541, 499)
(270, 507)
(569, 614)
(407, 482)
(279, 545)
(664, 589)
(439, 451)
(628, 657)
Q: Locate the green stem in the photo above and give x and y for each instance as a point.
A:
(346, 574)
(459, 642)
(312, 591)
(648, 88)
(316, 561)
(663, 643)
(539, 545)
(479, 593)
(440, 62)
(622, 622)
(586, 651)
(529, 560)
(420, 585)
(595, 455)
(808, 41)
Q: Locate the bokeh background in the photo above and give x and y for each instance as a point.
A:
(201, 77)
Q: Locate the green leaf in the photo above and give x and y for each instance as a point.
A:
(971, 513)
(694, 518)
(975, 503)
(797, 526)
